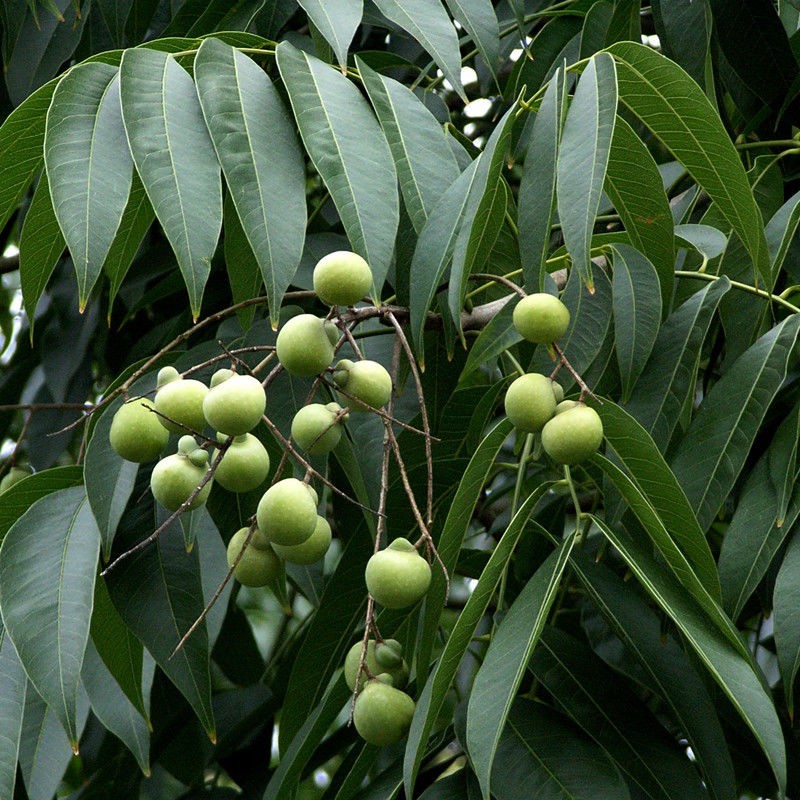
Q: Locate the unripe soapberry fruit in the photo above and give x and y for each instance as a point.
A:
(256, 567)
(235, 403)
(305, 345)
(180, 399)
(312, 549)
(558, 391)
(174, 479)
(244, 466)
(367, 381)
(541, 318)
(342, 278)
(286, 513)
(382, 714)
(316, 428)
(136, 433)
(397, 576)
(573, 435)
(398, 673)
(566, 405)
(530, 402)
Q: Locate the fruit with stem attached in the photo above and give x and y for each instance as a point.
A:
(312, 549)
(245, 464)
(342, 278)
(382, 714)
(180, 399)
(136, 433)
(397, 576)
(287, 514)
(573, 435)
(374, 665)
(317, 428)
(530, 402)
(235, 403)
(175, 477)
(305, 345)
(541, 318)
(256, 566)
(367, 383)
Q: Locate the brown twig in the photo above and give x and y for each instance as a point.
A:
(483, 276)
(563, 362)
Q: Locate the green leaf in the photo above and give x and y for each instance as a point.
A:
(344, 141)
(337, 21)
(500, 674)
(174, 157)
(634, 186)
(21, 142)
(537, 186)
(13, 686)
(637, 312)
(780, 231)
(583, 157)
(244, 274)
(498, 335)
(615, 718)
(41, 244)
(668, 670)
(113, 709)
(479, 20)
(256, 144)
(542, 755)
(425, 163)
(715, 448)
(783, 462)
(88, 166)
(728, 666)
(684, 30)
(438, 683)
(428, 23)
(786, 599)
(708, 241)
(668, 377)
(52, 583)
(675, 109)
(653, 477)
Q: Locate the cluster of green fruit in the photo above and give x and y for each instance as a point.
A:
(571, 431)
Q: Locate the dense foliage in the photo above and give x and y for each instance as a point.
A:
(624, 627)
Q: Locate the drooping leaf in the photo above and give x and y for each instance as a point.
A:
(54, 584)
(257, 146)
(175, 159)
(500, 674)
(684, 29)
(478, 18)
(337, 21)
(13, 686)
(780, 231)
(583, 157)
(244, 274)
(88, 166)
(707, 240)
(783, 462)
(786, 600)
(345, 143)
(498, 335)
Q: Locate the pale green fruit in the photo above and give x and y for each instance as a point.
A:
(180, 399)
(286, 513)
(174, 479)
(530, 402)
(136, 433)
(14, 476)
(382, 714)
(316, 429)
(566, 405)
(342, 278)
(389, 655)
(244, 466)
(304, 346)
(558, 391)
(235, 404)
(367, 381)
(312, 549)
(398, 673)
(541, 318)
(397, 576)
(256, 567)
(573, 435)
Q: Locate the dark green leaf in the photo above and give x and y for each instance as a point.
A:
(52, 583)
(498, 335)
(684, 29)
(708, 241)
(479, 20)
(787, 619)
(780, 231)
(336, 21)
(13, 686)
(244, 274)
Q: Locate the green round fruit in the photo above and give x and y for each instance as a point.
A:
(256, 567)
(342, 278)
(530, 402)
(366, 381)
(180, 399)
(382, 714)
(389, 655)
(304, 347)
(397, 576)
(312, 549)
(136, 433)
(573, 435)
(541, 318)
(15, 475)
(566, 405)
(558, 391)
(286, 513)
(235, 404)
(316, 428)
(398, 673)
(244, 466)
(174, 479)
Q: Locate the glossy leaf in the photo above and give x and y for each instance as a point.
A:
(345, 143)
(174, 157)
(583, 157)
(479, 20)
(500, 674)
(88, 166)
(257, 146)
(336, 21)
(714, 449)
(637, 312)
(13, 686)
(675, 109)
(786, 600)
